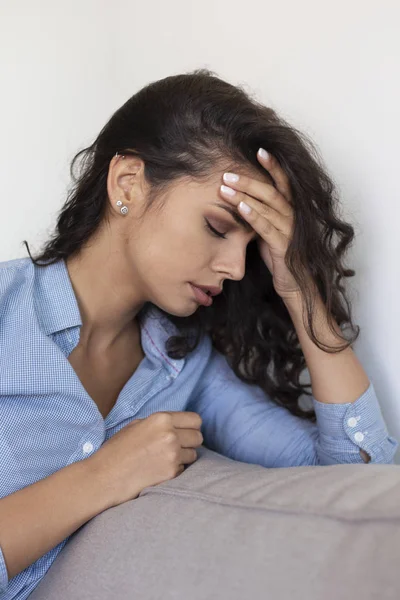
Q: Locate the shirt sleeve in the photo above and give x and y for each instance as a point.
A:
(3, 573)
(241, 421)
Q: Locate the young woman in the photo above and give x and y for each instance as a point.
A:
(116, 366)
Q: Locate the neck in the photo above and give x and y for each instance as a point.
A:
(107, 296)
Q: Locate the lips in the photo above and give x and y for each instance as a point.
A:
(209, 289)
(201, 296)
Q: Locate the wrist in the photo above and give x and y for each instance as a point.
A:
(297, 299)
(293, 302)
(100, 482)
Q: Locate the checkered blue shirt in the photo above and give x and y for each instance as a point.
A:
(48, 420)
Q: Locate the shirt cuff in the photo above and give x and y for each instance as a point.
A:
(3, 573)
(347, 428)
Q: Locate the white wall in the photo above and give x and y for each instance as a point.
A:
(329, 68)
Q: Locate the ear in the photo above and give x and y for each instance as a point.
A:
(125, 181)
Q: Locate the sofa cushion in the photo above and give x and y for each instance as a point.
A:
(228, 530)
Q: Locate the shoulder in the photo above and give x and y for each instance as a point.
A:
(14, 274)
(14, 264)
(16, 288)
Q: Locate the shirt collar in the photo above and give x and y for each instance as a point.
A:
(56, 304)
(57, 309)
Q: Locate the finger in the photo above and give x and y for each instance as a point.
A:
(266, 229)
(283, 223)
(260, 190)
(279, 176)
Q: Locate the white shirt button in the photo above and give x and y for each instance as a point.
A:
(87, 447)
(352, 422)
(359, 436)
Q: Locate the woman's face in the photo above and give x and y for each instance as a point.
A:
(173, 246)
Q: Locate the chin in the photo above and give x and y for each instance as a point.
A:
(185, 308)
(184, 312)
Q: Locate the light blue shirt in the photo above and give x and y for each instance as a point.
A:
(48, 420)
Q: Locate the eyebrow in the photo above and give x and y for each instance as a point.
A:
(237, 217)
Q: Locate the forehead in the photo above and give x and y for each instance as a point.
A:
(213, 180)
(245, 170)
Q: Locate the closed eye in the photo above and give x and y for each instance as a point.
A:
(214, 231)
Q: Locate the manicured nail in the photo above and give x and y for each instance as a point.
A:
(228, 190)
(231, 177)
(263, 153)
(245, 208)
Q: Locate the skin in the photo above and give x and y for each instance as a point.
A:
(134, 259)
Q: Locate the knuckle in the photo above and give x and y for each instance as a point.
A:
(267, 227)
(266, 210)
(162, 418)
(170, 438)
(287, 214)
(276, 195)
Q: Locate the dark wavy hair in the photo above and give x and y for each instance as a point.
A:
(183, 126)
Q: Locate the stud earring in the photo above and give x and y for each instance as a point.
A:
(123, 209)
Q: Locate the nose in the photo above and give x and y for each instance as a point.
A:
(233, 263)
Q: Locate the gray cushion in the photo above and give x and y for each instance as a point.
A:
(226, 530)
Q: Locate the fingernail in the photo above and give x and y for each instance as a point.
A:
(244, 207)
(263, 153)
(228, 190)
(231, 177)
